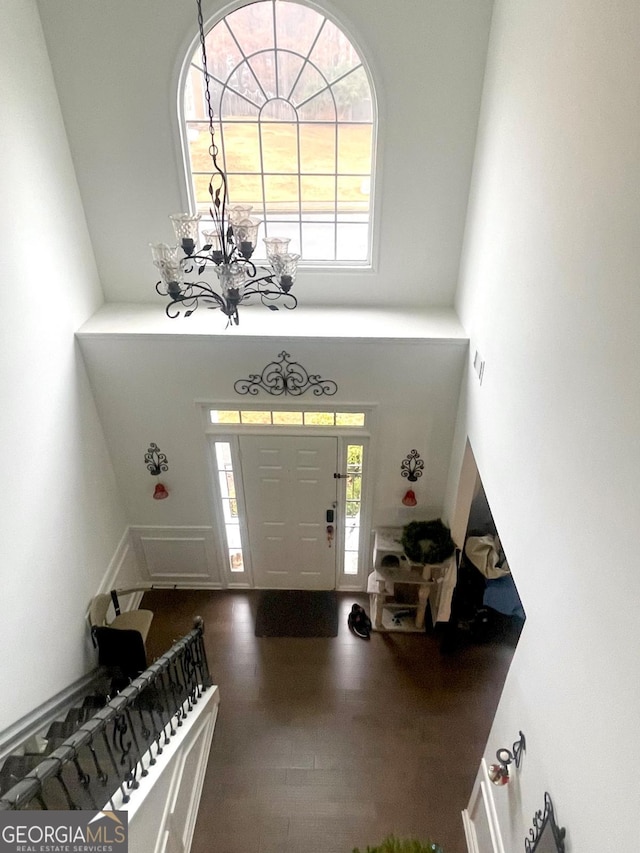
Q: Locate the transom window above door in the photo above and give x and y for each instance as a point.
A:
(287, 417)
(294, 125)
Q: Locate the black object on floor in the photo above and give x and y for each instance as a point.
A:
(297, 613)
(359, 623)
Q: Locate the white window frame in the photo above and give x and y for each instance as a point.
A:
(365, 265)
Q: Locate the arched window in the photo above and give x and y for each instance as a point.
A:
(295, 128)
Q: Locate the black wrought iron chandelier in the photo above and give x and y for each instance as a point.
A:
(227, 248)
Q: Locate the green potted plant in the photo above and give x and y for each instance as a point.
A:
(427, 541)
(403, 845)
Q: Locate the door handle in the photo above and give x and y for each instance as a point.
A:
(329, 534)
(329, 516)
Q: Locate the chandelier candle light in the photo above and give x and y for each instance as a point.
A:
(227, 248)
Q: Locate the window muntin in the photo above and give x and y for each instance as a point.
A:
(295, 128)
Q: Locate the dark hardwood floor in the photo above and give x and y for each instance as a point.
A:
(323, 745)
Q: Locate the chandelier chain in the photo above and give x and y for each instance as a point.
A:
(217, 214)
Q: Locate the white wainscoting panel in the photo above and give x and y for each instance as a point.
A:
(122, 568)
(177, 556)
(480, 819)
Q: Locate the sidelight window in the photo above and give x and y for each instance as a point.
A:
(229, 503)
(353, 507)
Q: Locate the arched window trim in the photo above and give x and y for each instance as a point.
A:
(368, 265)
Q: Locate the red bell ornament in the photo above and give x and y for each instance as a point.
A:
(410, 498)
(499, 774)
(160, 492)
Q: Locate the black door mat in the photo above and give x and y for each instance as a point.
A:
(297, 613)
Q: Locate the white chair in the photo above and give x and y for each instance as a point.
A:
(131, 620)
(121, 641)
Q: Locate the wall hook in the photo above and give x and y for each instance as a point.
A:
(499, 773)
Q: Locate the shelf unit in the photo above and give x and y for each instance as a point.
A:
(391, 565)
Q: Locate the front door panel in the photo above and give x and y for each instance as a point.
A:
(288, 488)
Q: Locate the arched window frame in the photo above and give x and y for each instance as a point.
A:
(340, 261)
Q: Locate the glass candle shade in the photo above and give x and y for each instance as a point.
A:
(186, 227)
(165, 258)
(276, 246)
(285, 267)
(245, 235)
(238, 212)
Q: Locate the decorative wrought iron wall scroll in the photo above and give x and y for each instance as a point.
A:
(412, 466)
(155, 461)
(546, 834)
(284, 376)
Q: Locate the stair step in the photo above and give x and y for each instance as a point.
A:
(60, 729)
(96, 700)
(79, 715)
(15, 767)
(90, 704)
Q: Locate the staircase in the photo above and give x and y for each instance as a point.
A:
(108, 743)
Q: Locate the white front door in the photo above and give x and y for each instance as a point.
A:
(288, 487)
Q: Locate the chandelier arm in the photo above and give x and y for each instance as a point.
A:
(269, 296)
(256, 282)
(274, 294)
(290, 301)
(201, 259)
(264, 292)
(203, 291)
(252, 269)
(190, 298)
(172, 314)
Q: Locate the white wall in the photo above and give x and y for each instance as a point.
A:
(61, 521)
(147, 388)
(116, 65)
(549, 295)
